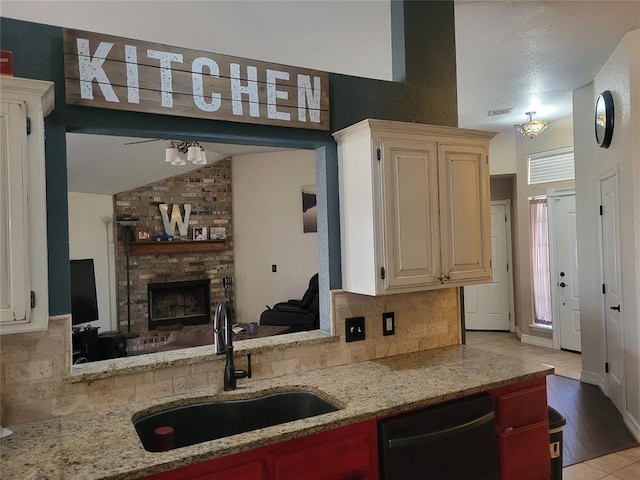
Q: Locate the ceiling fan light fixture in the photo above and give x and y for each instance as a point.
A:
(203, 158)
(171, 153)
(532, 128)
(175, 153)
(193, 152)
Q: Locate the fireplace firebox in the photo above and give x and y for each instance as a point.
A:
(173, 303)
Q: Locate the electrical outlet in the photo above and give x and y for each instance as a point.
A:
(388, 323)
(354, 329)
(274, 268)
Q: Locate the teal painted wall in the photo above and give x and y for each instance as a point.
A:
(428, 95)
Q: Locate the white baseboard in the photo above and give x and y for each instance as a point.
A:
(633, 426)
(538, 341)
(518, 332)
(593, 379)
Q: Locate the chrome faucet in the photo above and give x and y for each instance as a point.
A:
(223, 316)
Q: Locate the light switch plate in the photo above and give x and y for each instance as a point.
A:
(354, 329)
(388, 323)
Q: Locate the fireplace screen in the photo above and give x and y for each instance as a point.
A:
(185, 303)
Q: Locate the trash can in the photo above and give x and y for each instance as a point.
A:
(556, 424)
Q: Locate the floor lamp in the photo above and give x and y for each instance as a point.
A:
(127, 223)
(107, 223)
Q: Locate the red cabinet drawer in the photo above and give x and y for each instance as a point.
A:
(520, 408)
(524, 453)
(348, 457)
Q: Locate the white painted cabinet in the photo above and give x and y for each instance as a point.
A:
(24, 304)
(414, 206)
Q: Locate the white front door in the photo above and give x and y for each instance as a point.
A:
(612, 289)
(486, 306)
(564, 271)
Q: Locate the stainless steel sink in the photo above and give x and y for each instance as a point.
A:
(204, 421)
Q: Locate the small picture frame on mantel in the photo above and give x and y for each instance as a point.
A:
(218, 233)
(143, 235)
(199, 233)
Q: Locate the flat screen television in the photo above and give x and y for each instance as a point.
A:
(84, 302)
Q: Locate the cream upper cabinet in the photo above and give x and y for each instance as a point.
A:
(465, 209)
(414, 206)
(24, 304)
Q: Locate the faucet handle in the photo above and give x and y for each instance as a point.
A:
(244, 373)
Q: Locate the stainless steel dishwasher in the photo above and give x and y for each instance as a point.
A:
(455, 440)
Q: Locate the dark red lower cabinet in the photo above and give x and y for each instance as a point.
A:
(346, 453)
(522, 426)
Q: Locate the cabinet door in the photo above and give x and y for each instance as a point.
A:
(347, 453)
(524, 453)
(465, 213)
(24, 290)
(522, 407)
(411, 225)
(14, 215)
(522, 427)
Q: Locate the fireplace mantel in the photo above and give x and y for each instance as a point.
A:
(177, 246)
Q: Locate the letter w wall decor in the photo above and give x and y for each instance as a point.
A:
(176, 219)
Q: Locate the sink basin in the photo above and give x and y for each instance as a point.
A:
(204, 421)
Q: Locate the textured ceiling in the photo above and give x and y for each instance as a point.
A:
(531, 55)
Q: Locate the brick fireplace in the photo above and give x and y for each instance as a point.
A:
(178, 303)
(208, 190)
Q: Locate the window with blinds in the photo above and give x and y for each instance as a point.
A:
(551, 166)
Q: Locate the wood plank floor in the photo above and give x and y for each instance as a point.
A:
(594, 426)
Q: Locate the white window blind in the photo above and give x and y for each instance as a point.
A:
(551, 166)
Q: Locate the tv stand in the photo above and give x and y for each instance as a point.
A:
(85, 344)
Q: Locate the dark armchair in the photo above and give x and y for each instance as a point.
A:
(298, 315)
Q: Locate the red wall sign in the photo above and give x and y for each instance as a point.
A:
(6, 63)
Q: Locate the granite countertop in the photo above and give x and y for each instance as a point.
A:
(105, 446)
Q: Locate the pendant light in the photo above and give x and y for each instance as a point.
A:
(532, 128)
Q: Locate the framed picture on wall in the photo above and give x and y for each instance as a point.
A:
(199, 233)
(309, 209)
(143, 235)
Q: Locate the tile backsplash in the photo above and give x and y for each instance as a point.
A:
(36, 367)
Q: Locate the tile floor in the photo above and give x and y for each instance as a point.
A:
(623, 465)
(567, 364)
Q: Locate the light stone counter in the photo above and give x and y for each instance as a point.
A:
(105, 446)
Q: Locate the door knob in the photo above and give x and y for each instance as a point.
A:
(617, 309)
(562, 284)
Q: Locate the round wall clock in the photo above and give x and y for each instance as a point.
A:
(604, 119)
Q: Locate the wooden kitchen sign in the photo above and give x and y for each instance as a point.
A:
(123, 74)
